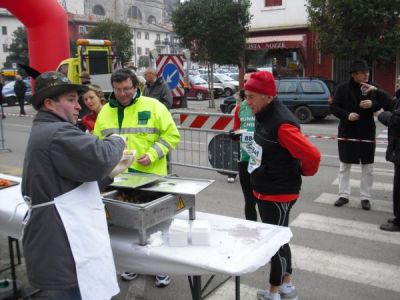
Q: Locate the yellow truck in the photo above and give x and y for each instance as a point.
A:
(95, 57)
(9, 74)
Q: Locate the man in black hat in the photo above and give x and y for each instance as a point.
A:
(354, 105)
(62, 169)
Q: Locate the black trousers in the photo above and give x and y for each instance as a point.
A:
(21, 102)
(277, 213)
(396, 194)
(250, 202)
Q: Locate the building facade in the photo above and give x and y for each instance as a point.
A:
(8, 25)
(148, 20)
(280, 41)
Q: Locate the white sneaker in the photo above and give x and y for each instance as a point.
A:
(287, 291)
(162, 281)
(128, 276)
(267, 295)
(231, 179)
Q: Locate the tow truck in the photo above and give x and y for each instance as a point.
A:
(95, 57)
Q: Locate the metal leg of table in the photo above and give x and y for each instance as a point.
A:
(195, 287)
(198, 292)
(15, 260)
(142, 236)
(237, 287)
(12, 241)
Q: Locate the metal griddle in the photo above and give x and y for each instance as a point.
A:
(139, 201)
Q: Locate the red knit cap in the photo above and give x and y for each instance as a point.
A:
(261, 82)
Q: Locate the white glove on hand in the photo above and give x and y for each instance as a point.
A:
(120, 136)
(124, 163)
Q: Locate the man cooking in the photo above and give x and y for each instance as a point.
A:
(66, 241)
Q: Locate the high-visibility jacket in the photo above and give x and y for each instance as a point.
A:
(148, 126)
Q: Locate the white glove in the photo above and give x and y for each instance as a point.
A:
(120, 136)
(124, 163)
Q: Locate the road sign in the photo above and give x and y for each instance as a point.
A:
(170, 67)
(171, 75)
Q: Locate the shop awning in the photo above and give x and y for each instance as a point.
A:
(277, 42)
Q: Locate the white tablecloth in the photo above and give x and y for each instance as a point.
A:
(12, 208)
(237, 247)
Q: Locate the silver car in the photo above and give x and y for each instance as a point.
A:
(9, 97)
(230, 86)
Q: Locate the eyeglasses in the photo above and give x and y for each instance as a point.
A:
(123, 91)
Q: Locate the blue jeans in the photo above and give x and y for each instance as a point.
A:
(67, 294)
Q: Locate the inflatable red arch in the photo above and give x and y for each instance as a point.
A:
(46, 23)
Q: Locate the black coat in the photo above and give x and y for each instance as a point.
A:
(20, 88)
(392, 121)
(347, 99)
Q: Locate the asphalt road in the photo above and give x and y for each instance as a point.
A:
(338, 253)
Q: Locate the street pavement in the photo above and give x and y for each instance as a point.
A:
(338, 253)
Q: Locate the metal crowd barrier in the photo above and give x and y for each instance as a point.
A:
(205, 142)
(2, 138)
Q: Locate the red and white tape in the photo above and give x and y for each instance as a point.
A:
(225, 123)
(345, 139)
(18, 115)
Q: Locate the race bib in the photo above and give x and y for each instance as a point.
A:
(255, 157)
(247, 141)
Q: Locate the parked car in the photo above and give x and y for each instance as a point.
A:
(9, 95)
(227, 69)
(199, 89)
(307, 98)
(234, 76)
(230, 86)
(194, 72)
(202, 70)
(331, 85)
(228, 105)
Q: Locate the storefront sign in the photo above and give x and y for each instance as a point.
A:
(272, 45)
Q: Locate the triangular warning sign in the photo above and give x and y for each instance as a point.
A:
(181, 204)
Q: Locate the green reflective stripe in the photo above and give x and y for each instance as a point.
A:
(140, 130)
(165, 143)
(131, 130)
(109, 131)
(130, 170)
(158, 150)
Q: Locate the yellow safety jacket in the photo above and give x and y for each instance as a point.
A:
(148, 126)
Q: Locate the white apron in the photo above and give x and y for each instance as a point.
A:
(83, 216)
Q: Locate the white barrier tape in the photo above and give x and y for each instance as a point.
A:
(18, 115)
(345, 139)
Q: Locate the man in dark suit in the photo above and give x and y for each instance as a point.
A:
(354, 105)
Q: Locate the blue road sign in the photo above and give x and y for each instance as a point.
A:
(171, 75)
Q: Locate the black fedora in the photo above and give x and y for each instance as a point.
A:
(52, 84)
(359, 65)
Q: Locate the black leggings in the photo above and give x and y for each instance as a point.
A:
(250, 211)
(277, 213)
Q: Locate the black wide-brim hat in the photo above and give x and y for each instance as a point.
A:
(359, 66)
(53, 84)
